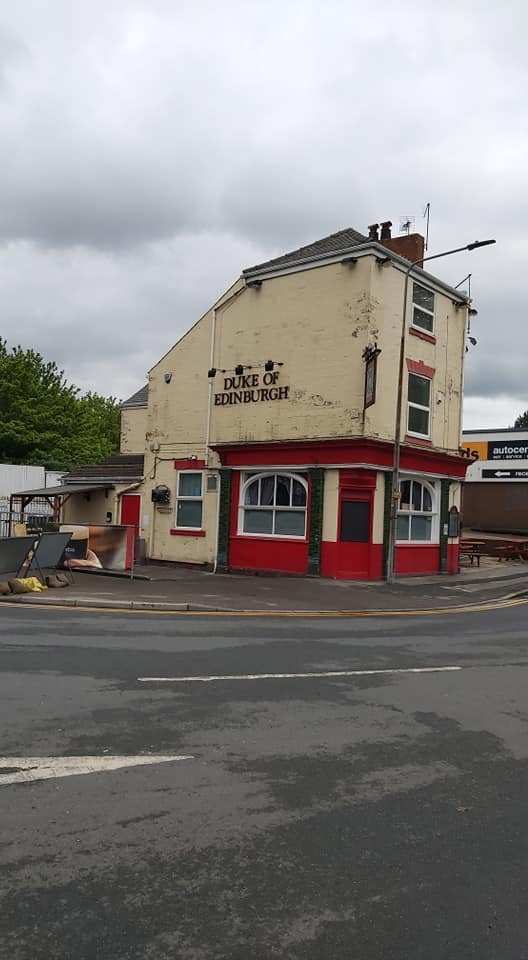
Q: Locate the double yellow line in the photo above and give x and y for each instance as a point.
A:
(287, 614)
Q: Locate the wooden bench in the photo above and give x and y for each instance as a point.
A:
(472, 549)
(512, 551)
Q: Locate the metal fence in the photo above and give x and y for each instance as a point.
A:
(38, 516)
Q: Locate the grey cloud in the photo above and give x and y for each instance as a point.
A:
(150, 151)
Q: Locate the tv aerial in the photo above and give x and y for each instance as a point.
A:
(407, 225)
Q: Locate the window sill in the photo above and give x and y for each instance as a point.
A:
(418, 441)
(181, 532)
(272, 536)
(422, 335)
(416, 543)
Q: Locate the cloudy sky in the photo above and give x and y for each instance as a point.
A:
(151, 149)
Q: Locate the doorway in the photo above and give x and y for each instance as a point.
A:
(131, 510)
(354, 536)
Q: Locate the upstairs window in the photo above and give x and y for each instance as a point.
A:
(274, 505)
(418, 406)
(189, 502)
(423, 308)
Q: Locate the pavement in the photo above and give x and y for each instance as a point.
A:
(356, 791)
(169, 588)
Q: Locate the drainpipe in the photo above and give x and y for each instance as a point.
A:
(217, 531)
(210, 391)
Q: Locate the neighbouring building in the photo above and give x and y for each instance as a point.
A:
(134, 422)
(270, 424)
(12, 478)
(495, 495)
(104, 493)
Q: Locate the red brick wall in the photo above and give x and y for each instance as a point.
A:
(411, 247)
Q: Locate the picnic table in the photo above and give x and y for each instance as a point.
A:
(513, 550)
(472, 549)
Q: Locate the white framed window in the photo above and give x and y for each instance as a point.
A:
(189, 500)
(418, 405)
(423, 308)
(417, 512)
(273, 505)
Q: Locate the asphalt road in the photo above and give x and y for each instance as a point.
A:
(366, 816)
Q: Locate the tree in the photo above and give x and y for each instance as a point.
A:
(522, 421)
(44, 420)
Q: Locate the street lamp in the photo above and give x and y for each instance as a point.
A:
(397, 432)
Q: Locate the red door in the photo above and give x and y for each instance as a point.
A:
(354, 536)
(130, 510)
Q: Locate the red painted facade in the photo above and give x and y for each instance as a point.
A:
(271, 554)
(350, 556)
(187, 463)
(418, 558)
(331, 564)
(316, 453)
(453, 558)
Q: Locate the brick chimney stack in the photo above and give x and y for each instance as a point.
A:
(411, 246)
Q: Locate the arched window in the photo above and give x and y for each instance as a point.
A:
(416, 511)
(274, 505)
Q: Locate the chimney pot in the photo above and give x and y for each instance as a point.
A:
(373, 231)
(386, 230)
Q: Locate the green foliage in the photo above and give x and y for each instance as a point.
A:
(44, 420)
(522, 421)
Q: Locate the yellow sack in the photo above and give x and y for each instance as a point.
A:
(32, 584)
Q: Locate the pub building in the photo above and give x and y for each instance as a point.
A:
(269, 427)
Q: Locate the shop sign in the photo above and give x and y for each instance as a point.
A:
(251, 388)
(370, 356)
(505, 474)
(507, 449)
(477, 450)
(370, 381)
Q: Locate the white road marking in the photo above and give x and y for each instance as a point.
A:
(297, 676)
(26, 769)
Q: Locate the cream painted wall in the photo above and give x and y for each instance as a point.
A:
(446, 356)
(317, 324)
(379, 508)
(79, 509)
(330, 504)
(161, 544)
(133, 429)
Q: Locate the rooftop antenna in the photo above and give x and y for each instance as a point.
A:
(427, 213)
(406, 225)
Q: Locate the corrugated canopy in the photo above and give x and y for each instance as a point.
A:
(64, 489)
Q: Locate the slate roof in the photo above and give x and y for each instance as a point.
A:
(121, 468)
(138, 399)
(336, 242)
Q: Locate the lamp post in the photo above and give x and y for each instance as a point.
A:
(397, 431)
